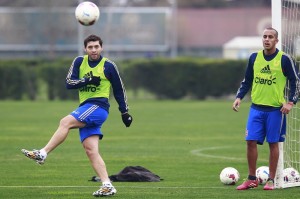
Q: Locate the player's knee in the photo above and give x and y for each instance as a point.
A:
(65, 123)
(90, 151)
(251, 143)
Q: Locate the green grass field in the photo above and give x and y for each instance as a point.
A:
(187, 143)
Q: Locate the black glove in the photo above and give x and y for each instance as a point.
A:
(127, 119)
(94, 80)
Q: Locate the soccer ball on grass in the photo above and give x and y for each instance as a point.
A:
(229, 176)
(262, 174)
(87, 13)
(291, 175)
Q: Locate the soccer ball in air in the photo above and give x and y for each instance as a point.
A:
(87, 13)
(291, 175)
(262, 174)
(229, 176)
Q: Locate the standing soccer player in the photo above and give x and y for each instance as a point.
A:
(93, 75)
(267, 73)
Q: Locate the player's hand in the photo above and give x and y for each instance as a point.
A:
(286, 108)
(236, 104)
(127, 119)
(94, 80)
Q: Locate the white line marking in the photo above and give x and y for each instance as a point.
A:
(201, 152)
(138, 187)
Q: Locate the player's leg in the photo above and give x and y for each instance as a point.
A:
(58, 137)
(273, 159)
(254, 135)
(275, 133)
(251, 181)
(252, 155)
(90, 145)
(67, 123)
(89, 136)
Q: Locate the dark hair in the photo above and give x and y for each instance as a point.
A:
(92, 38)
(276, 32)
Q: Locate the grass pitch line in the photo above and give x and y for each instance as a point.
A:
(138, 187)
(201, 152)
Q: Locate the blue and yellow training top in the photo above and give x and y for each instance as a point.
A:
(109, 75)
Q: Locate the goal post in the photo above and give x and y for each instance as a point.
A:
(286, 20)
(276, 23)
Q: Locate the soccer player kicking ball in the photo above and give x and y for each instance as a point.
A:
(93, 75)
(266, 75)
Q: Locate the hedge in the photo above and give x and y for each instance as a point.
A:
(166, 78)
(185, 77)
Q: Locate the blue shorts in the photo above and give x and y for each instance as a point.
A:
(269, 125)
(93, 116)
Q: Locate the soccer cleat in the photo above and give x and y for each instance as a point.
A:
(105, 190)
(248, 184)
(269, 185)
(34, 155)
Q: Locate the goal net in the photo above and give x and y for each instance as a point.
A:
(289, 29)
